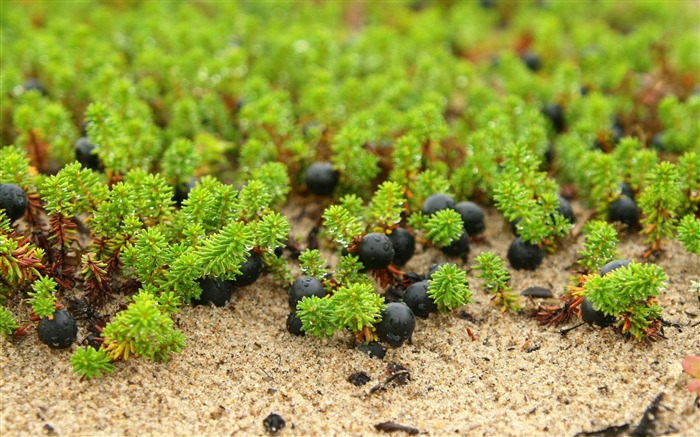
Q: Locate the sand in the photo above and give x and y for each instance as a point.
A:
(240, 364)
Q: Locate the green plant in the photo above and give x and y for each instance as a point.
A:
(660, 203)
(42, 300)
(629, 295)
(600, 246)
(492, 269)
(448, 288)
(689, 233)
(89, 363)
(8, 323)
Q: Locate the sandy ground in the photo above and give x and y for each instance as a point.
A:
(240, 365)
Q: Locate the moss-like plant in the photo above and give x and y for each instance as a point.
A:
(43, 301)
(449, 288)
(600, 246)
(90, 363)
(629, 295)
(689, 233)
(8, 323)
(660, 203)
(492, 269)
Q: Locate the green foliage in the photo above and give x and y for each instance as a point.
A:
(42, 300)
(8, 323)
(348, 271)
(72, 191)
(143, 329)
(628, 294)
(448, 288)
(311, 263)
(598, 180)
(443, 227)
(14, 168)
(318, 316)
(526, 194)
(222, 254)
(689, 233)
(357, 167)
(357, 306)
(90, 363)
(274, 176)
(679, 134)
(660, 203)
(387, 205)
(19, 259)
(341, 225)
(179, 162)
(492, 269)
(600, 246)
(426, 183)
(689, 170)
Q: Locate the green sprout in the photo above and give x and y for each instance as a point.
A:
(8, 323)
(312, 264)
(689, 233)
(42, 300)
(600, 246)
(629, 295)
(660, 203)
(448, 288)
(91, 363)
(357, 308)
(492, 269)
(318, 316)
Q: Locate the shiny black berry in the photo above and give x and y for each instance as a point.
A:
(294, 324)
(458, 247)
(13, 201)
(404, 244)
(625, 189)
(472, 216)
(251, 269)
(397, 324)
(321, 178)
(594, 317)
(375, 251)
(84, 154)
(214, 291)
(623, 210)
(555, 113)
(418, 300)
(437, 202)
(565, 209)
(524, 256)
(273, 423)
(303, 287)
(59, 332)
(613, 265)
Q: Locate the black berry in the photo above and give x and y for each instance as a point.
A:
(321, 178)
(458, 247)
(418, 300)
(437, 202)
(303, 287)
(594, 317)
(531, 61)
(624, 210)
(524, 256)
(565, 209)
(397, 324)
(251, 269)
(273, 423)
(613, 265)
(84, 154)
(214, 291)
(375, 251)
(404, 245)
(373, 349)
(294, 324)
(472, 216)
(59, 332)
(555, 113)
(34, 84)
(625, 189)
(13, 201)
